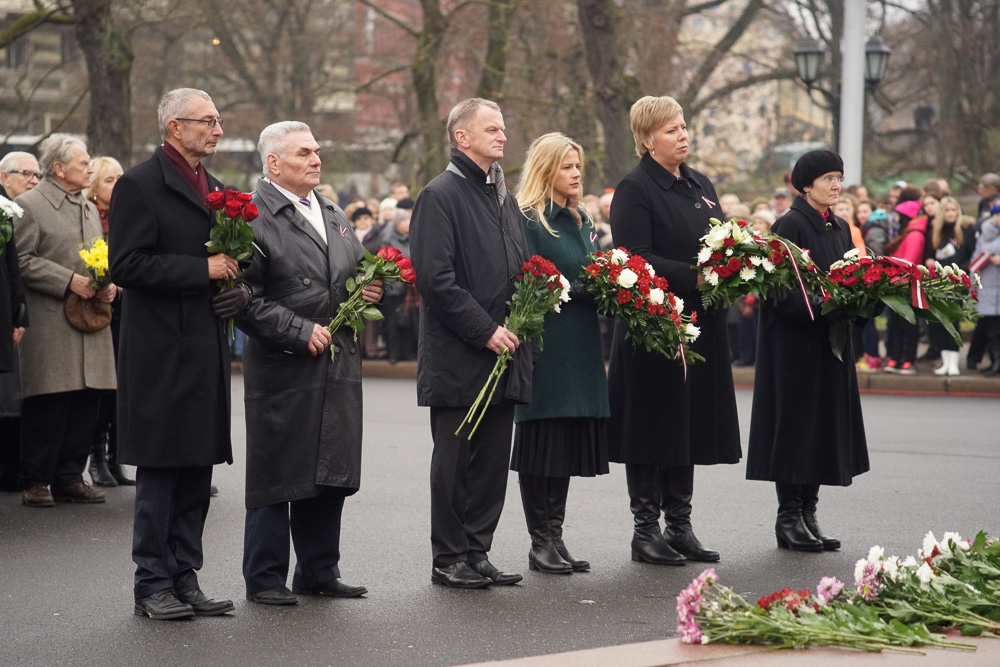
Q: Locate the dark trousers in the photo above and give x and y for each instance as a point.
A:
(10, 453)
(170, 509)
(869, 338)
(903, 341)
(748, 337)
(468, 482)
(313, 525)
(56, 433)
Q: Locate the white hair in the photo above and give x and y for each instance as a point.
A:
(273, 139)
(463, 112)
(11, 160)
(57, 149)
(176, 104)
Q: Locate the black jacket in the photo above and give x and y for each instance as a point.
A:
(806, 425)
(173, 355)
(13, 304)
(467, 248)
(657, 417)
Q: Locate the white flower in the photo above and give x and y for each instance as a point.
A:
(711, 277)
(891, 567)
(678, 304)
(768, 265)
(627, 278)
(925, 574)
(729, 252)
(838, 264)
(704, 255)
(716, 237)
(748, 273)
(908, 562)
(859, 570)
(649, 268)
(928, 546)
(618, 256)
(11, 208)
(875, 554)
(563, 286)
(850, 254)
(948, 538)
(805, 257)
(656, 296)
(756, 260)
(704, 639)
(691, 331)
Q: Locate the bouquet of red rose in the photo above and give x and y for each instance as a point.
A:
(626, 288)
(736, 260)
(537, 291)
(232, 234)
(860, 286)
(388, 265)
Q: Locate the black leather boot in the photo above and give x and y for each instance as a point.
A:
(810, 498)
(543, 556)
(558, 490)
(98, 469)
(676, 489)
(648, 545)
(117, 471)
(790, 528)
(994, 349)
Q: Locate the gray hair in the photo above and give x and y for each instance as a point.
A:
(11, 160)
(273, 139)
(175, 104)
(991, 181)
(57, 149)
(463, 113)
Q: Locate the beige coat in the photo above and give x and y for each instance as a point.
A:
(55, 357)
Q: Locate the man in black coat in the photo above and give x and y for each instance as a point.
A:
(303, 408)
(173, 364)
(467, 248)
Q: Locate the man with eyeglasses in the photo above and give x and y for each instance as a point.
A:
(173, 363)
(18, 174)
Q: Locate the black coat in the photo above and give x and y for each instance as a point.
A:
(12, 300)
(657, 417)
(173, 356)
(303, 412)
(466, 250)
(806, 425)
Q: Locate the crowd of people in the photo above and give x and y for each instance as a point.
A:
(105, 372)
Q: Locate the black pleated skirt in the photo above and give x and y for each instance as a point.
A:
(564, 447)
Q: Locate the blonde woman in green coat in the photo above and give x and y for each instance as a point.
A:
(561, 432)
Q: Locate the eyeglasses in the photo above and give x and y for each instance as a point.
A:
(211, 121)
(830, 180)
(27, 173)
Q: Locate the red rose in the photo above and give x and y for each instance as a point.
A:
(734, 265)
(249, 212)
(216, 200)
(741, 223)
(232, 194)
(403, 263)
(233, 208)
(408, 276)
(728, 242)
(775, 245)
(694, 317)
(716, 256)
(388, 252)
(244, 197)
(723, 272)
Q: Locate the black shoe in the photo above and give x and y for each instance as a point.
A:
(558, 489)
(98, 468)
(276, 596)
(676, 490)
(163, 606)
(486, 569)
(577, 565)
(543, 556)
(683, 540)
(459, 575)
(333, 589)
(204, 605)
(790, 528)
(648, 545)
(119, 474)
(810, 499)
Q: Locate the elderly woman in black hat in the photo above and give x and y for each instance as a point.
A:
(806, 427)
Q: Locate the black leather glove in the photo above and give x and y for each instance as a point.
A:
(578, 292)
(227, 305)
(19, 312)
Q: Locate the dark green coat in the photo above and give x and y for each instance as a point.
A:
(569, 379)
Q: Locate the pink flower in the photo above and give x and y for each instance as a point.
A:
(829, 588)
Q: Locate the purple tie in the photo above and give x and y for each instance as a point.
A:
(305, 202)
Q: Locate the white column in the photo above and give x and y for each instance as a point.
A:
(852, 90)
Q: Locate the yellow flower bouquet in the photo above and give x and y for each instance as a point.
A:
(94, 254)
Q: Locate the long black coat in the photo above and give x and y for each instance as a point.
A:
(12, 296)
(173, 356)
(467, 249)
(658, 418)
(806, 425)
(303, 412)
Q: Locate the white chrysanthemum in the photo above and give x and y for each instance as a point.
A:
(11, 208)
(927, 548)
(691, 331)
(925, 574)
(678, 304)
(618, 256)
(875, 554)
(908, 562)
(891, 567)
(859, 570)
(838, 264)
(704, 255)
(851, 254)
(959, 541)
(649, 268)
(716, 237)
(756, 260)
(729, 252)
(767, 265)
(710, 276)
(627, 278)
(748, 273)
(656, 296)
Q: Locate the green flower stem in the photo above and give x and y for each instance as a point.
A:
(479, 405)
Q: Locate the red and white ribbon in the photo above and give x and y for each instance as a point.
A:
(798, 274)
(917, 297)
(978, 262)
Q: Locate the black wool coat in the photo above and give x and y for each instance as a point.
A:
(658, 417)
(806, 425)
(173, 355)
(12, 299)
(303, 412)
(467, 249)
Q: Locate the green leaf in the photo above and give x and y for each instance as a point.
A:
(351, 284)
(901, 306)
(372, 314)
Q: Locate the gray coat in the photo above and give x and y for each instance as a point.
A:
(989, 294)
(303, 412)
(55, 357)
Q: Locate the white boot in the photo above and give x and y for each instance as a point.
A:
(949, 363)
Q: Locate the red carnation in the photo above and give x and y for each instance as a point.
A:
(249, 212)
(716, 256)
(216, 200)
(776, 245)
(734, 264)
(729, 242)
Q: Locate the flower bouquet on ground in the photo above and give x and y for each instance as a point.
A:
(388, 265)
(8, 211)
(537, 291)
(232, 234)
(736, 260)
(860, 286)
(94, 254)
(711, 613)
(626, 288)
